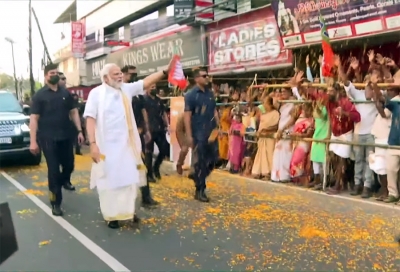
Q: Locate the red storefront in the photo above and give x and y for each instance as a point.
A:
(247, 42)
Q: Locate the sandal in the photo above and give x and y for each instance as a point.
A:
(317, 187)
(381, 198)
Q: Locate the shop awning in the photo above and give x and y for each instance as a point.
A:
(69, 15)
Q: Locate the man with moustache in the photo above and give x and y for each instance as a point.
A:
(142, 123)
(50, 125)
(115, 147)
(201, 118)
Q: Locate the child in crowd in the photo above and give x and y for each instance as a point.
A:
(236, 143)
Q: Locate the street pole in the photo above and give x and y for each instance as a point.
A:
(13, 59)
(31, 78)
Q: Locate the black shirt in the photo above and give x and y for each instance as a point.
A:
(53, 108)
(138, 106)
(155, 110)
(202, 105)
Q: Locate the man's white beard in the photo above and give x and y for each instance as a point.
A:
(115, 84)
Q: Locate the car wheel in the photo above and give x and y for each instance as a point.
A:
(34, 159)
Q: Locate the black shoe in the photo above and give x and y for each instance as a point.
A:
(149, 202)
(136, 219)
(56, 211)
(157, 174)
(113, 224)
(68, 186)
(201, 196)
(357, 190)
(151, 179)
(191, 176)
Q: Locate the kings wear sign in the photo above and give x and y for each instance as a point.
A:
(298, 20)
(150, 56)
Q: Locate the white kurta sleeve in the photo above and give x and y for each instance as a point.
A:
(135, 88)
(92, 104)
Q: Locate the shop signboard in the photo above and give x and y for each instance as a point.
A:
(298, 20)
(251, 45)
(155, 55)
(93, 69)
(77, 42)
(183, 8)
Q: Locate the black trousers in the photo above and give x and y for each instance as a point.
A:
(206, 156)
(145, 189)
(160, 140)
(58, 153)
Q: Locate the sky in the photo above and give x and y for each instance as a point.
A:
(14, 24)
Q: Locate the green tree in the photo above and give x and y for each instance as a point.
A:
(6, 82)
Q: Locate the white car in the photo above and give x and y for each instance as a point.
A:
(14, 131)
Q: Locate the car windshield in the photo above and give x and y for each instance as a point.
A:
(8, 103)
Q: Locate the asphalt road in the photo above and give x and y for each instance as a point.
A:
(248, 225)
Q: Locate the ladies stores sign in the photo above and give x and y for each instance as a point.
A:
(248, 46)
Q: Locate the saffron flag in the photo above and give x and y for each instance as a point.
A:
(176, 76)
(328, 60)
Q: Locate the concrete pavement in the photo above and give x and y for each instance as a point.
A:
(254, 226)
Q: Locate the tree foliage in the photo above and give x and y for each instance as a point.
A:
(7, 83)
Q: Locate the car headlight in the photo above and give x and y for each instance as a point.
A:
(25, 128)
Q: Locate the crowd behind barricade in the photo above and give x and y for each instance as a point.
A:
(268, 139)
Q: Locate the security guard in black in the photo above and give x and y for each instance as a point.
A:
(51, 105)
(157, 125)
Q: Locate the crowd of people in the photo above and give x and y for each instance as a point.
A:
(282, 135)
(271, 139)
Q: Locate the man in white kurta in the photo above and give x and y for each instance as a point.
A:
(115, 171)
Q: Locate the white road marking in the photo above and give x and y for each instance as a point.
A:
(109, 260)
(269, 183)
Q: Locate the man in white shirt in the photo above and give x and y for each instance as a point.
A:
(118, 169)
(362, 134)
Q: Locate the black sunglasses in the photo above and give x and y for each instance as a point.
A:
(203, 76)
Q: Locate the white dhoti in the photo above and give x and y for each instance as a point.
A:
(119, 174)
(342, 150)
(377, 160)
(119, 203)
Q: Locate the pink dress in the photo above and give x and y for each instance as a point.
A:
(236, 145)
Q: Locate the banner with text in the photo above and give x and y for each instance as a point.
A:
(77, 39)
(248, 46)
(152, 56)
(93, 69)
(298, 20)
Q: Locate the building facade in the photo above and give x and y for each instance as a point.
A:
(144, 34)
(68, 65)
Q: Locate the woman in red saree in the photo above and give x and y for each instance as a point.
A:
(303, 128)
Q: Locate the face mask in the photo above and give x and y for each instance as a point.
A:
(153, 92)
(133, 78)
(54, 79)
